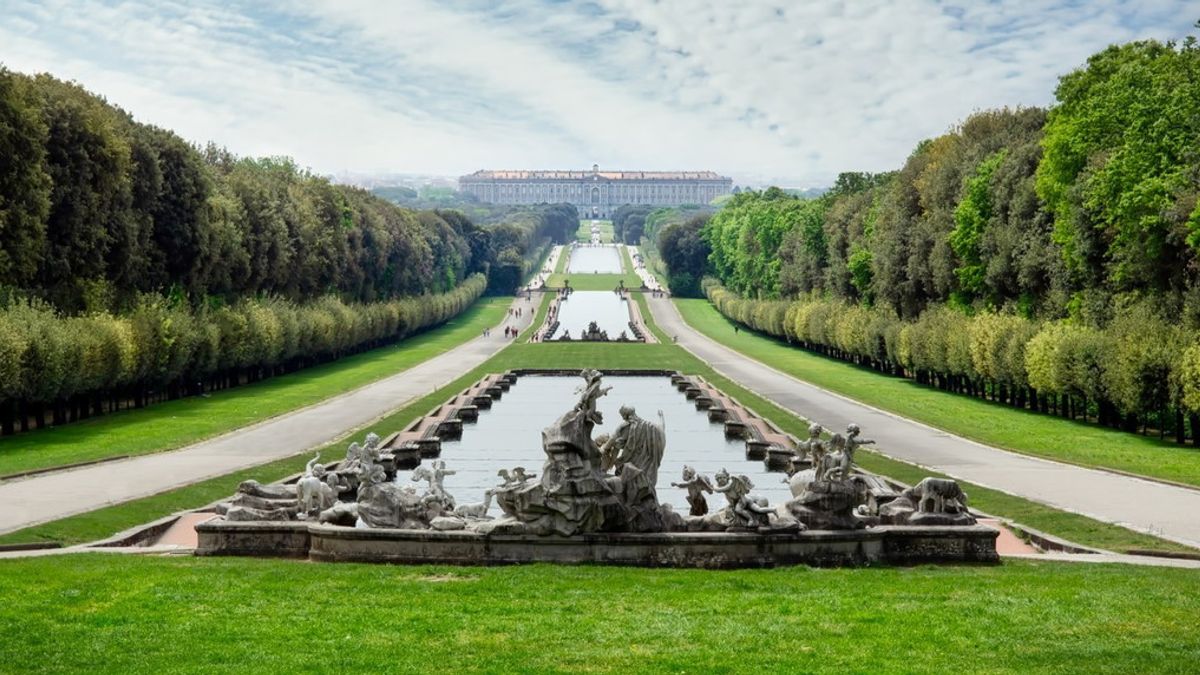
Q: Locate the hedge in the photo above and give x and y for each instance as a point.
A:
(81, 365)
(1139, 370)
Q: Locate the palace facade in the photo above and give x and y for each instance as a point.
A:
(596, 193)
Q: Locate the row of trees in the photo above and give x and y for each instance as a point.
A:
(76, 366)
(1068, 212)
(1062, 245)
(135, 266)
(96, 209)
(1141, 370)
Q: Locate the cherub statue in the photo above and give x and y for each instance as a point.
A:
(747, 511)
(353, 452)
(519, 475)
(733, 487)
(371, 442)
(439, 476)
(834, 465)
(852, 439)
(696, 484)
(814, 446)
(754, 511)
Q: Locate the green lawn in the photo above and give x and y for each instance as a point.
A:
(125, 614)
(584, 233)
(173, 424)
(595, 282)
(997, 425)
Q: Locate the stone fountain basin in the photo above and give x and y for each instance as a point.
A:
(892, 545)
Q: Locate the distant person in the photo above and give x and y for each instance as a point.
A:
(736, 329)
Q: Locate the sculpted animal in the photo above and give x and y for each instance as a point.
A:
(476, 510)
(311, 489)
(937, 495)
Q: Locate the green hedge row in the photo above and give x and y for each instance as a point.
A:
(92, 362)
(1140, 369)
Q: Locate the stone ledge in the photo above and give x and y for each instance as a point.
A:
(880, 545)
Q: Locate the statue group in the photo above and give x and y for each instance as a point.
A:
(603, 484)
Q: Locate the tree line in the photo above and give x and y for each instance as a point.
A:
(134, 264)
(1046, 258)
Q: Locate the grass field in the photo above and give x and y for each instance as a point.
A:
(584, 233)
(121, 614)
(998, 425)
(125, 613)
(595, 282)
(173, 424)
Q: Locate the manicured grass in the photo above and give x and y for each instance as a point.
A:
(574, 355)
(997, 425)
(105, 522)
(594, 282)
(173, 424)
(123, 614)
(584, 233)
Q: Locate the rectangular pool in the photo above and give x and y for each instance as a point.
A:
(609, 310)
(510, 434)
(594, 260)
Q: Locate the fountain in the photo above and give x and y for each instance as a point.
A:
(596, 500)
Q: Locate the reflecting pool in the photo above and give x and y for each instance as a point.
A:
(594, 259)
(509, 434)
(607, 309)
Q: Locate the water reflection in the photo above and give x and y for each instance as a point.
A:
(509, 435)
(594, 259)
(606, 308)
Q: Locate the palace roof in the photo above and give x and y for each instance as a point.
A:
(507, 174)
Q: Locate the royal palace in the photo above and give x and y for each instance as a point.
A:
(596, 193)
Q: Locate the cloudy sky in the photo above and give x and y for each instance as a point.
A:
(788, 91)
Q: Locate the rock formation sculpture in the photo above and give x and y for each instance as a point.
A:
(575, 495)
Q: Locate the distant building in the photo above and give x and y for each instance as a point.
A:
(596, 193)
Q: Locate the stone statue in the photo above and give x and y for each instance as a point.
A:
(309, 489)
(733, 487)
(933, 501)
(478, 510)
(696, 484)
(814, 447)
(637, 442)
(829, 500)
(575, 494)
(830, 465)
(440, 472)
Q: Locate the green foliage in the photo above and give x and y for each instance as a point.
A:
(971, 218)
(1120, 165)
(685, 254)
(46, 356)
(99, 210)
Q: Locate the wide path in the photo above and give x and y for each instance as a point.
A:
(47, 497)
(1164, 510)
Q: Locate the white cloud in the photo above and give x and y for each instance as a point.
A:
(792, 91)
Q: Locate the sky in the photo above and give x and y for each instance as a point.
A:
(785, 92)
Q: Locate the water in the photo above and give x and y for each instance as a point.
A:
(606, 308)
(595, 259)
(510, 434)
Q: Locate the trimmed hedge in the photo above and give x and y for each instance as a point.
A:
(1139, 370)
(81, 365)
